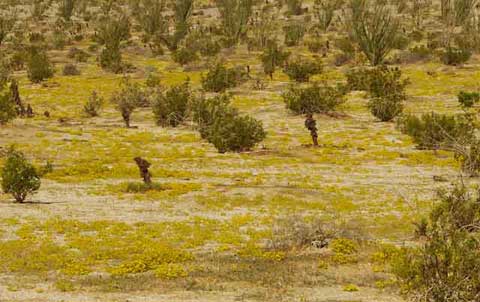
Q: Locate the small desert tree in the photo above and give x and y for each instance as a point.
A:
(171, 108)
(220, 78)
(235, 15)
(273, 56)
(8, 110)
(93, 105)
(19, 177)
(373, 27)
(127, 100)
(39, 67)
(387, 92)
(111, 33)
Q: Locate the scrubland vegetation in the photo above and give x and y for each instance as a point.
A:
(239, 150)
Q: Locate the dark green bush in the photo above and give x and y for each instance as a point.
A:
(437, 131)
(128, 99)
(272, 57)
(184, 55)
(220, 78)
(7, 107)
(387, 92)
(39, 67)
(468, 99)
(19, 177)
(221, 125)
(294, 33)
(93, 105)
(171, 108)
(445, 265)
(314, 99)
(455, 56)
(301, 70)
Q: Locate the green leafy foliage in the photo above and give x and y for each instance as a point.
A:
(220, 78)
(39, 67)
(301, 70)
(445, 266)
(437, 131)
(316, 98)
(171, 107)
(222, 125)
(19, 177)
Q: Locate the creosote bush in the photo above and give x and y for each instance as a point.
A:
(39, 67)
(272, 57)
(437, 131)
(171, 107)
(301, 70)
(468, 99)
(445, 266)
(128, 99)
(316, 98)
(222, 125)
(387, 93)
(19, 177)
(93, 105)
(220, 78)
(8, 109)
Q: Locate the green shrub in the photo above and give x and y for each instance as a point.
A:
(468, 99)
(445, 265)
(128, 99)
(39, 67)
(141, 187)
(70, 70)
(455, 56)
(301, 70)
(294, 33)
(437, 131)
(273, 56)
(314, 99)
(19, 177)
(469, 157)
(358, 78)
(171, 108)
(94, 104)
(387, 92)
(222, 126)
(220, 78)
(8, 110)
(184, 56)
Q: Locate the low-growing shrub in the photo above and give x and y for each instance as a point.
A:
(184, 56)
(445, 265)
(224, 127)
(39, 67)
(128, 99)
(387, 93)
(220, 78)
(19, 177)
(468, 99)
(316, 98)
(301, 70)
(171, 107)
(78, 54)
(294, 33)
(455, 56)
(437, 131)
(93, 105)
(272, 57)
(8, 109)
(70, 70)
